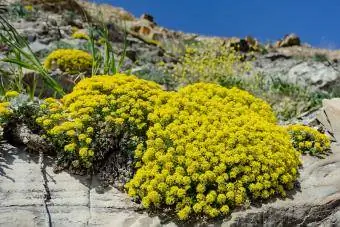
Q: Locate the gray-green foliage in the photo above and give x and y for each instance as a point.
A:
(23, 109)
(320, 57)
(287, 99)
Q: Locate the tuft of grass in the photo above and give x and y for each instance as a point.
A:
(22, 55)
(319, 57)
(105, 62)
(288, 100)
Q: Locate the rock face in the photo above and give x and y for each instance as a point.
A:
(314, 74)
(288, 41)
(31, 194)
(329, 117)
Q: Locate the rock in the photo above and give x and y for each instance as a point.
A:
(330, 117)
(39, 48)
(147, 17)
(238, 44)
(288, 41)
(35, 196)
(276, 56)
(312, 73)
(22, 135)
(108, 12)
(305, 73)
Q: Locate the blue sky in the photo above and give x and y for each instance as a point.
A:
(317, 22)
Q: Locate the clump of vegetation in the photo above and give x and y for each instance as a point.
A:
(288, 100)
(308, 140)
(19, 10)
(208, 61)
(17, 108)
(5, 110)
(104, 62)
(80, 35)
(319, 57)
(22, 56)
(103, 114)
(210, 149)
(69, 60)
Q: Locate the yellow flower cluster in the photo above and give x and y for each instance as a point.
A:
(29, 8)
(116, 105)
(80, 35)
(11, 94)
(5, 110)
(211, 61)
(308, 140)
(69, 60)
(210, 149)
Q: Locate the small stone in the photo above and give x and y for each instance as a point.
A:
(100, 189)
(147, 17)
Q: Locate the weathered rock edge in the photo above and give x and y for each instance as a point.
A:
(31, 194)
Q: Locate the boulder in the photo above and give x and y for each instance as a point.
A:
(329, 117)
(238, 44)
(305, 73)
(288, 41)
(313, 73)
(147, 17)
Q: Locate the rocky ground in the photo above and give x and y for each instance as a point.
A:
(31, 194)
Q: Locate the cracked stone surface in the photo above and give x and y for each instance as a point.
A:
(75, 200)
(329, 116)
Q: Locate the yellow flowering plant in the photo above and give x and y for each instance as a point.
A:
(80, 35)
(210, 149)
(17, 108)
(69, 60)
(308, 140)
(207, 61)
(5, 110)
(103, 114)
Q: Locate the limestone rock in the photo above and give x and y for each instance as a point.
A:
(330, 117)
(69, 200)
(316, 74)
(148, 17)
(288, 41)
(306, 73)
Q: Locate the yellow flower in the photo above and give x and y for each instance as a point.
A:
(88, 140)
(70, 147)
(210, 145)
(312, 142)
(82, 137)
(69, 60)
(11, 94)
(71, 133)
(80, 35)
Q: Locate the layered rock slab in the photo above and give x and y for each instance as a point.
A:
(76, 201)
(329, 117)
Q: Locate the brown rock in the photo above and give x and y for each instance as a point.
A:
(288, 41)
(147, 17)
(145, 31)
(238, 44)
